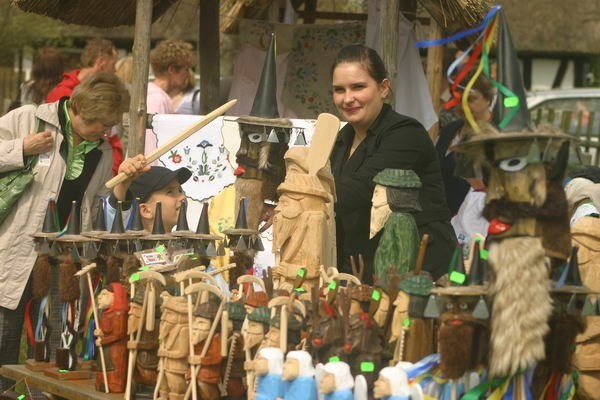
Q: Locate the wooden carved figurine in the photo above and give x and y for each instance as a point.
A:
(112, 336)
(303, 222)
(299, 376)
(257, 325)
(336, 381)
(174, 347)
(268, 367)
(395, 199)
(233, 365)
(393, 384)
(207, 350)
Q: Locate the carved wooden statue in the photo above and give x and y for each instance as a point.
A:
(174, 347)
(304, 227)
(112, 336)
(268, 367)
(393, 384)
(299, 375)
(207, 351)
(395, 198)
(336, 381)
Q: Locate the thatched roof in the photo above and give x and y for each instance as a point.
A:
(554, 26)
(102, 14)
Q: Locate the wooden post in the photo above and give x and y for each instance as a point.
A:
(388, 41)
(209, 49)
(139, 85)
(435, 59)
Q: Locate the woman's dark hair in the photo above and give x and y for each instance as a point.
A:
(363, 55)
(46, 71)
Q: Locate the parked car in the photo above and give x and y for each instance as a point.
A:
(575, 111)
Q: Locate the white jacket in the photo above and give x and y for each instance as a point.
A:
(17, 252)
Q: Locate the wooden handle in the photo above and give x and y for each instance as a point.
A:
(180, 137)
(422, 251)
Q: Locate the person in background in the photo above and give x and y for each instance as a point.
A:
(376, 138)
(480, 100)
(189, 100)
(46, 71)
(76, 165)
(124, 71)
(171, 61)
(99, 55)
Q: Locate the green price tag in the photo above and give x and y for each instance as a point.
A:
(144, 268)
(299, 290)
(134, 277)
(301, 272)
(376, 295)
(334, 359)
(332, 285)
(63, 370)
(484, 254)
(406, 322)
(160, 248)
(511, 102)
(21, 397)
(367, 366)
(457, 277)
(193, 258)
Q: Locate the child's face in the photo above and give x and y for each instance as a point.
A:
(170, 196)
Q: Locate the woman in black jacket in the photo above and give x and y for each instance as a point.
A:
(375, 138)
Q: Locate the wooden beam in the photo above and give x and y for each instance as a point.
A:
(310, 6)
(341, 16)
(435, 60)
(389, 19)
(210, 55)
(139, 84)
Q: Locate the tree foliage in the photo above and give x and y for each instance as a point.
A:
(19, 29)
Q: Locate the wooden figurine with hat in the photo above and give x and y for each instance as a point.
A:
(268, 367)
(233, 379)
(526, 207)
(111, 336)
(174, 347)
(257, 325)
(143, 330)
(207, 353)
(303, 223)
(395, 199)
(264, 141)
(299, 376)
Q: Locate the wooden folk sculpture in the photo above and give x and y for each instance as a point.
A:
(112, 337)
(336, 381)
(257, 325)
(264, 140)
(233, 365)
(395, 199)
(364, 348)
(299, 376)
(143, 331)
(303, 223)
(206, 355)
(174, 347)
(268, 368)
(393, 384)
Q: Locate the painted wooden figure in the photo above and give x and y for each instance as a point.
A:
(111, 334)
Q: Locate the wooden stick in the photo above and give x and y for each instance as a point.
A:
(86, 270)
(422, 251)
(180, 137)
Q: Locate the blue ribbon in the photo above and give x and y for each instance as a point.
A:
(437, 42)
(39, 335)
(422, 366)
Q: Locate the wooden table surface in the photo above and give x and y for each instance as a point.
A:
(74, 390)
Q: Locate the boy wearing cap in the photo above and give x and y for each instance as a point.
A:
(150, 184)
